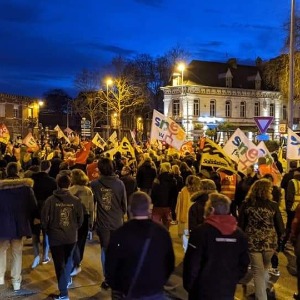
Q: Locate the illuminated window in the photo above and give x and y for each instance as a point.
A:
(243, 109)
(176, 108)
(196, 111)
(228, 109)
(256, 109)
(16, 111)
(272, 110)
(212, 108)
(284, 112)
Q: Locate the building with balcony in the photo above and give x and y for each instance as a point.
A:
(212, 93)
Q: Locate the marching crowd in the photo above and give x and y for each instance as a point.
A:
(234, 222)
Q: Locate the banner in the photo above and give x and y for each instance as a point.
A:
(4, 134)
(165, 129)
(293, 145)
(126, 149)
(30, 142)
(187, 147)
(99, 141)
(60, 134)
(241, 150)
(214, 156)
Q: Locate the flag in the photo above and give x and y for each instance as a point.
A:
(99, 141)
(214, 156)
(293, 145)
(30, 142)
(133, 135)
(82, 155)
(60, 134)
(281, 159)
(114, 139)
(4, 134)
(165, 129)
(126, 149)
(241, 150)
(187, 147)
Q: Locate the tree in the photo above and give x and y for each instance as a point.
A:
(56, 100)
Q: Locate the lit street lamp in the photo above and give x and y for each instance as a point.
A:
(108, 83)
(37, 106)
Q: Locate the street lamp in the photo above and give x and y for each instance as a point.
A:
(108, 83)
(37, 105)
(181, 68)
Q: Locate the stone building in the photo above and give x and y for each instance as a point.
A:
(212, 93)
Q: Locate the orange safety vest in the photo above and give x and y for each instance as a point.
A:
(228, 185)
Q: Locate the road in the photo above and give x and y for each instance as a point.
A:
(40, 283)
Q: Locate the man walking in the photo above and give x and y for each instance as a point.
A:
(17, 209)
(61, 217)
(110, 197)
(217, 255)
(140, 256)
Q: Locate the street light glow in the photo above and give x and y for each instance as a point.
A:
(181, 67)
(109, 81)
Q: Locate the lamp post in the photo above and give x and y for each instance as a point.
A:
(108, 83)
(181, 68)
(37, 105)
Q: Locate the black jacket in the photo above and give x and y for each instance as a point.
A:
(124, 252)
(145, 175)
(61, 217)
(216, 259)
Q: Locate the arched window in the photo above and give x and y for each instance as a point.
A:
(212, 108)
(243, 109)
(256, 109)
(272, 110)
(228, 109)
(176, 108)
(196, 108)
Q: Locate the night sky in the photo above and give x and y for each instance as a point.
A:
(45, 43)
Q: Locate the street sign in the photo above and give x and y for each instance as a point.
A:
(262, 137)
(282, 128)
(263, 123)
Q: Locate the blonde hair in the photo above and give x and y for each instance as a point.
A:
(176, 170)
(165, 167)
(260, 190)
(78, 177)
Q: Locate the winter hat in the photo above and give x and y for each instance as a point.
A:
(208, 186)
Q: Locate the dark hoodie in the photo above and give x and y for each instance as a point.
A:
(61, 217)
(216, 259)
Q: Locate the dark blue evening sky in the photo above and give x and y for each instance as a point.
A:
(45, 43)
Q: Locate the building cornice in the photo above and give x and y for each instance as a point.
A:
(219, 91)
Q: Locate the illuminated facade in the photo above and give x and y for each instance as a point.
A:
(214, 93)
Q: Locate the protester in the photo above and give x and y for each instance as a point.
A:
(129, 181)
(110, 197)
(140, 256)
(217, 255)
(145, 176)
(61, 217)
(79, 188)
(43, 187)
(261, 220)
(17, 209)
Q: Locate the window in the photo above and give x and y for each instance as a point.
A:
(2, 110)
(196, 111)
(228, 109)
(256, 109)
(228, 82)
(284, 112)
(212, 108)
(30, 112)
(272, 110)
(176, 107)
(243, 109)
(16, 111)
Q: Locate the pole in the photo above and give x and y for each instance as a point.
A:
(291, 65)
(107, 119)
(187, 105)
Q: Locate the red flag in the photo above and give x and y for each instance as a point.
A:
(83, 153)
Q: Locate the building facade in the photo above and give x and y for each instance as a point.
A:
(209, 94)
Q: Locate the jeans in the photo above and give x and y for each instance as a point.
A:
(260, 263)
(63, 261)
(104, 237)
(16, 261)
(36, 231)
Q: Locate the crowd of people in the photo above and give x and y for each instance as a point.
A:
(235, 222)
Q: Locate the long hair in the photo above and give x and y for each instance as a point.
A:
(261, 190)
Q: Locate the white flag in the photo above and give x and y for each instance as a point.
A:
(165, 129)
(99, 141)
(30, 142)
(240, 149)
(60, 134)
(293, 145)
